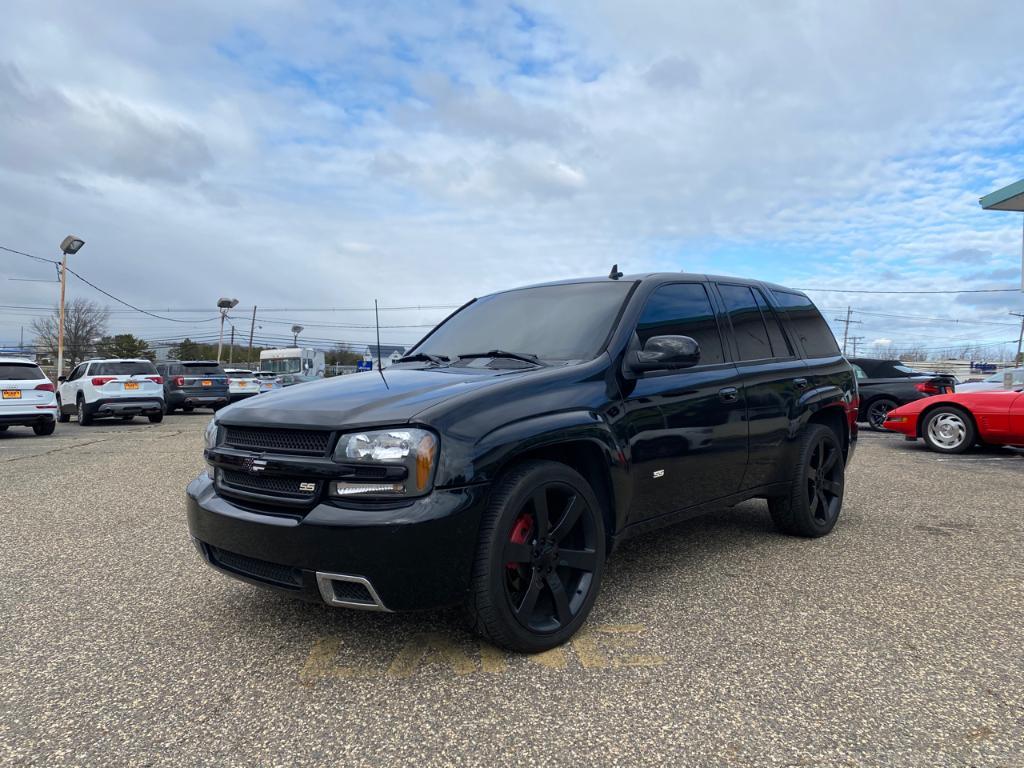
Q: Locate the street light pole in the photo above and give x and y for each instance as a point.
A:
(69, 244)
(223, 304)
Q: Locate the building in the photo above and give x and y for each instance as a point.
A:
(389, 353)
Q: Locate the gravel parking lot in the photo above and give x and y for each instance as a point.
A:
(897, 640)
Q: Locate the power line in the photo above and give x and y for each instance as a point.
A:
(907, 293)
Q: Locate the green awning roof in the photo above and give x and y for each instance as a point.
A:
(1009, 198)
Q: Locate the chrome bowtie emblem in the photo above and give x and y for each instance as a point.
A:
(253, 466)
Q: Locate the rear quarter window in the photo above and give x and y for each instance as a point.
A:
(808, 324)
(20, 372)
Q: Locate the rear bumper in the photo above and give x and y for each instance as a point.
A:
(25, 417)
(418, 555)
(200, 399)
(126, 406)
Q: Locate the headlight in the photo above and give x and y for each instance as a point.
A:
(386, 462)
(210, 435)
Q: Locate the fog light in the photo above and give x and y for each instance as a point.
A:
(342, 488)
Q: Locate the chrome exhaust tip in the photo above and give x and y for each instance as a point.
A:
(347, 591)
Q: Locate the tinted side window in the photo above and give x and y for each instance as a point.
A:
(747, 324)
(77, 373)
(810, 326)
(683, 309)
(780, 342)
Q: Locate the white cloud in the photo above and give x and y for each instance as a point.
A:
(323, 154)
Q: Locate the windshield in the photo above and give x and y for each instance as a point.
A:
(122, 369)
(282, 365)
(553, 322)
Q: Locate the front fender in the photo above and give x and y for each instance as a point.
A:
(505, 445)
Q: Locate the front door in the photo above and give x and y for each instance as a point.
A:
(692, 447)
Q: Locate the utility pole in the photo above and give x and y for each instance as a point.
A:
(846, 326)
(69, 244)
(1020, 337)
(231, 351)
(252, 329)
(855, 340)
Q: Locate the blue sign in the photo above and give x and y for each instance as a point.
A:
(364, 365)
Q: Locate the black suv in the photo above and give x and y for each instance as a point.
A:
(500, 461)
(191, 384)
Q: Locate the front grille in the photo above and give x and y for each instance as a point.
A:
(272, 573)
(281, 487)
(351, 591)
(305, 442)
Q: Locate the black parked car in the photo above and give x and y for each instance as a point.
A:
(887, 384)
(499, 461)
(191, 384)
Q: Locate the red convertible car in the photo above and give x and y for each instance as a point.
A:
(955, 423)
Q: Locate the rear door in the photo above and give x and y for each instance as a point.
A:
(774, 379)
(693, 444)
(23, 385)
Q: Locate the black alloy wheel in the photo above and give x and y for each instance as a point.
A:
(540, 558)
(815, 497)
(877, 412)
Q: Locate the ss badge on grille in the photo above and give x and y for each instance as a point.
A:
(307, 487)
(253, 466)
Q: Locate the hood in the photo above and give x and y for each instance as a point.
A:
(360, 399)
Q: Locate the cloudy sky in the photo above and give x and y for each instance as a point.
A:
(311, 155)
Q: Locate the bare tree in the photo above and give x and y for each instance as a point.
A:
(84, 321)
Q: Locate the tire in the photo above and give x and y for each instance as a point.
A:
(187, 408)
(876, 411)
(525, 595)
(949, 430)
(3, 427)
(46, 428)
(84, 417)
(815, 497)
(156, 418)
(62, 417)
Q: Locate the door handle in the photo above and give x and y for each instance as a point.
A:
(728, 394)
(800, 383)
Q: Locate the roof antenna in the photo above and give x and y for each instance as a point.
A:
(615, 274)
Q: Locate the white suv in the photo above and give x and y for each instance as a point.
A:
(124, 388)
(241, 384)
(26, 396)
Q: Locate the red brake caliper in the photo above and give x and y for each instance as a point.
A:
(520, 535)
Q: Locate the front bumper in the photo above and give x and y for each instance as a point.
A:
(415, 555)
(906, 425)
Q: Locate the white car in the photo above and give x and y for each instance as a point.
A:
(241, 384)
(994, 382)
(119, 388)
(269, 381)
(26, 397)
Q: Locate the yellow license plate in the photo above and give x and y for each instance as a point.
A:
(243, 383)
(12, 394)
(131, 385)
(207, 383)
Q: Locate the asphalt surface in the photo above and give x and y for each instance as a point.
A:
(897, 640)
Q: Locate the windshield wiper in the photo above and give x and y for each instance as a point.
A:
(526, 357)
(425, 357)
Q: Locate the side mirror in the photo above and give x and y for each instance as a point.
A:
(665, 353)
(61, 379)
